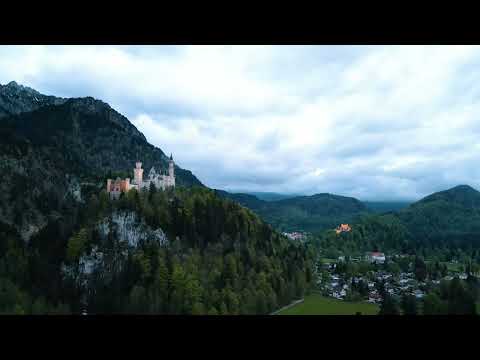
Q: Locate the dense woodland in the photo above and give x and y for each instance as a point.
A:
(219, 259)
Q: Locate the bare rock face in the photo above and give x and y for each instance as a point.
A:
(74, 189)
(101, 262)
(130, 230)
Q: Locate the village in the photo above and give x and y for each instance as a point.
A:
(336, 281)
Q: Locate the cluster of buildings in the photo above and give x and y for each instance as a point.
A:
(372, 257)
(161, 181)
(337, 285)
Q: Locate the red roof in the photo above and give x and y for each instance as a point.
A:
(376, 253)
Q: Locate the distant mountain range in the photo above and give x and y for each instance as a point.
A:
(60, 149)
(302, 213)
(452, 214)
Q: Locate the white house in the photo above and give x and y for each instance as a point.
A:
(376, 257)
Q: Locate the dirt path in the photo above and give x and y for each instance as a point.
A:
(288, 306)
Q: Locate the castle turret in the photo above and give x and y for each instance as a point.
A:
(138, 173)
(171, 168)
(109, 185)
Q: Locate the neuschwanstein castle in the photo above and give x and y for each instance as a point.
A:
(161, 181)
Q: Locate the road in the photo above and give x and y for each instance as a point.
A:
(288, 306)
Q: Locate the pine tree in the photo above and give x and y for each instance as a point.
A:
(389, 306)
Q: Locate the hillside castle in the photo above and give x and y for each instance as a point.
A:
(161, 181)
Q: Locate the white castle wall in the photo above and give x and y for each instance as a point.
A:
(161, 181)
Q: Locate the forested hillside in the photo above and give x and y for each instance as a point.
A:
(445, 224)
(185, 251)
(65, 246)
(451, 216)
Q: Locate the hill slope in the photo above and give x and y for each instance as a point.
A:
(451, 215)
(446, 223)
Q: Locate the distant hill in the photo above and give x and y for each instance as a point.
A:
(249, 201)
(271, 196)
(450, 215)
(303, 213)
(445, 219)
(462, 195)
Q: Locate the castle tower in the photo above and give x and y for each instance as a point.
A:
(138, 173)
(109, 185)
(171, 169)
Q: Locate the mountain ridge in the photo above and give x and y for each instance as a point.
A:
(52, 147)
(308, 213)
(330, 209)
(16, 99)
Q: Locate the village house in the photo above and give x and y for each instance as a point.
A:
(376, 257)
(374, 297)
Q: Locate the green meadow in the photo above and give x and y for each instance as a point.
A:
(316, 304)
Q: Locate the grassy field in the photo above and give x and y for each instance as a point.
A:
(316, 304)
(454, 267)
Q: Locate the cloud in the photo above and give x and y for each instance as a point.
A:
(390, 122)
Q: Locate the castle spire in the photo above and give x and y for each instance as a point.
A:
(171, 157)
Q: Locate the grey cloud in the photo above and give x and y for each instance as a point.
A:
(340, 119)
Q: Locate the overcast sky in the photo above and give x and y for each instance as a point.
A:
(373, 122)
